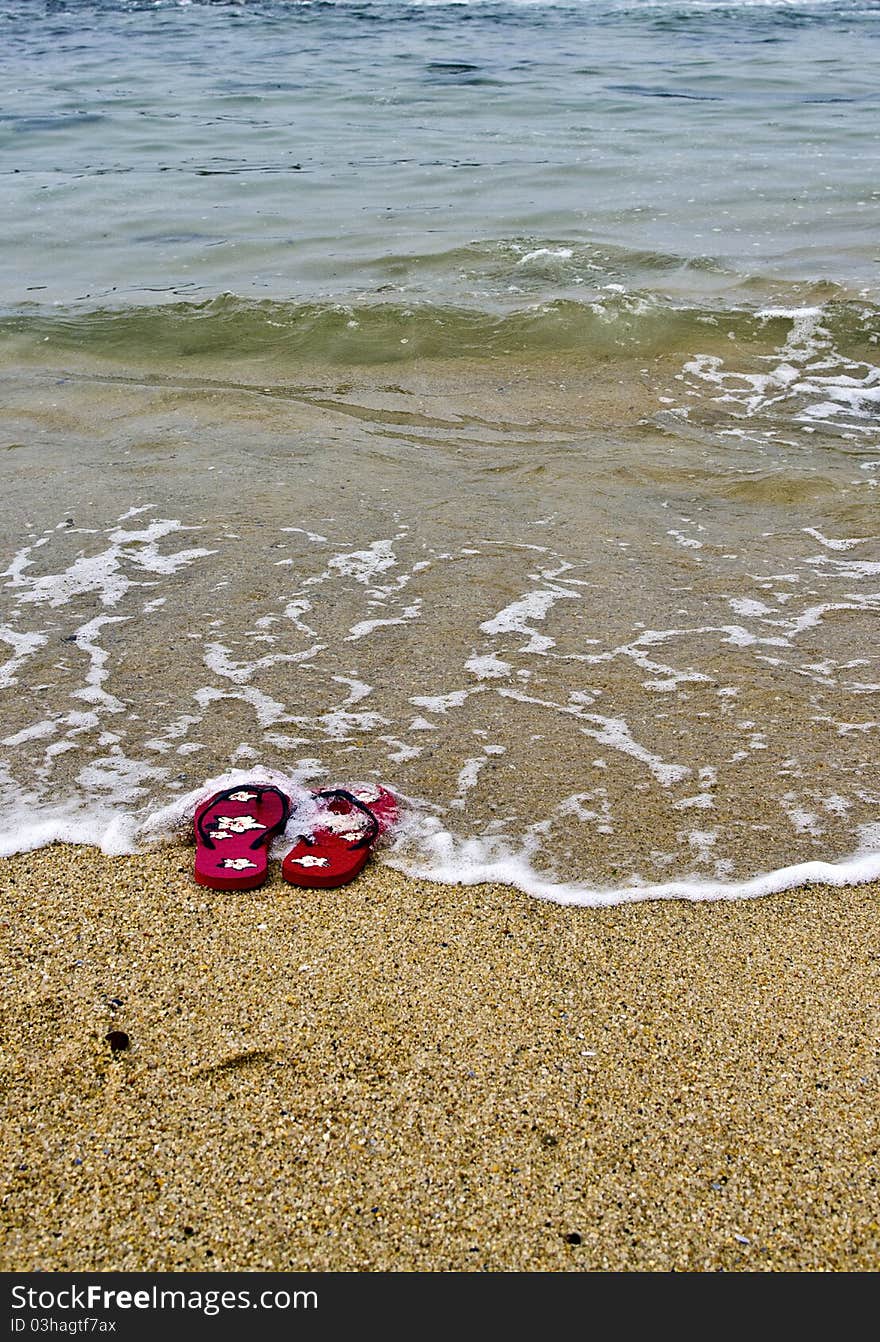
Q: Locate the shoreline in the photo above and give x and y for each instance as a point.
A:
(405, 1076)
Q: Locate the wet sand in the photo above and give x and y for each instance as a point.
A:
(406, 1076)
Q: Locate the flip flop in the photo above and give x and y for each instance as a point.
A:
(234, 830)
(338, 845)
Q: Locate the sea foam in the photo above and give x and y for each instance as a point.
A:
(421, 847)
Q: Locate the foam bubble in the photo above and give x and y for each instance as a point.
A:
(488, 667)
(514, 619)
(23, 646)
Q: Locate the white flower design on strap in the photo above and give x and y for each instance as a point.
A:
(238, 824)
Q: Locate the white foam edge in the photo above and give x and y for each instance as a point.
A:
(449, 860)
(118, 832)
(441, 856)
(175, 819)
(113, 832)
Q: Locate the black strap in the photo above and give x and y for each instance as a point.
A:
(261, 792)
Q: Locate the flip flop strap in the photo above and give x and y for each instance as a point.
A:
(373, 827)
(226, 795)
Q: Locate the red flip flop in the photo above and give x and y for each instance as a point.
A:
(233, 833)
(382, 802)
(338, 845)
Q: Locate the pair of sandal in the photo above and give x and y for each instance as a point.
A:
(234, 830)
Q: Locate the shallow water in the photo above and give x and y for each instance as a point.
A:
(479, 398)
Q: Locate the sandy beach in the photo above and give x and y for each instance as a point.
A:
(403, 1076)
(477, 400)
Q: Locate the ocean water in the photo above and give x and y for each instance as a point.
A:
(479, 398)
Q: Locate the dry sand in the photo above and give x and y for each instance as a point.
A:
(412, 1077)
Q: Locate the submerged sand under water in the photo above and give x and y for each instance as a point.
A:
(622, 647)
